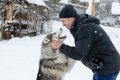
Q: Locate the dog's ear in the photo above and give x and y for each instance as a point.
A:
(49, 36)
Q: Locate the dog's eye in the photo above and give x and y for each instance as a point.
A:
(46, 40)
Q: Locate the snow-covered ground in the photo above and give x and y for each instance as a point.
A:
(19, 57)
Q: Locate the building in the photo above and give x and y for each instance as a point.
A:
(115, 11)
(23, 17)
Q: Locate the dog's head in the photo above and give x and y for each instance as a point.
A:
(46, 50)
(54, 36)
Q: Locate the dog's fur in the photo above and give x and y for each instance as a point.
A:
(53, 64)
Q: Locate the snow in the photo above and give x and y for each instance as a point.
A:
(97, 0)
(89, 9)
(115, 8)
(83, 0)
(19, 57)
(64, 1)
(38, 2)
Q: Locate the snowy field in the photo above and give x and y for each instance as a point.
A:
(19, 57)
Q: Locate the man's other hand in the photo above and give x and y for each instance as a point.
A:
(56, 44)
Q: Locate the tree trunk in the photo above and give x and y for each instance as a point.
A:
(0, 31)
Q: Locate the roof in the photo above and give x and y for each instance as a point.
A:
(64, 1)
(37, 2)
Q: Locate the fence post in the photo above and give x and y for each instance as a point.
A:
(93, 8)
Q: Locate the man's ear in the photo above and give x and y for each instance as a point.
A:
(72, 19)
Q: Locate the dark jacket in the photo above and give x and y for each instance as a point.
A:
(92, 46)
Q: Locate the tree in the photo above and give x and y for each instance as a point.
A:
(74, 1)
(105, 9)
(54, 1)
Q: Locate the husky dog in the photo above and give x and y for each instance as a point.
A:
(53, 64)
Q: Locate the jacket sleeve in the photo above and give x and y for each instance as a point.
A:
(70, 51)
(83, 43)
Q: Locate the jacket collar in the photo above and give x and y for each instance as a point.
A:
(84, 18)
(80, 19)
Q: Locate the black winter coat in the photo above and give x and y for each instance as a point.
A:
(92, 46)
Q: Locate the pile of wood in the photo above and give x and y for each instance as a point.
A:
(22, 18)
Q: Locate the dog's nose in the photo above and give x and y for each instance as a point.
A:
(60, 28)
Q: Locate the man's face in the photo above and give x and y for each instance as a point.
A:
(67, 22)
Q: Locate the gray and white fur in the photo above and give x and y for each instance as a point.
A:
(53, 64)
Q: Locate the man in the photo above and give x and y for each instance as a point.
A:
(93, 47)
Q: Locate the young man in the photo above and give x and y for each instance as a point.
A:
(93, 47)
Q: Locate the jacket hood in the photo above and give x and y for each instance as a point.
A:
(85, 18)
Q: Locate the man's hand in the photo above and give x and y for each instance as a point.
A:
(56, 44)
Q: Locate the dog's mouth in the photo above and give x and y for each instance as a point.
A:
(58, 35)
(62, 37)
